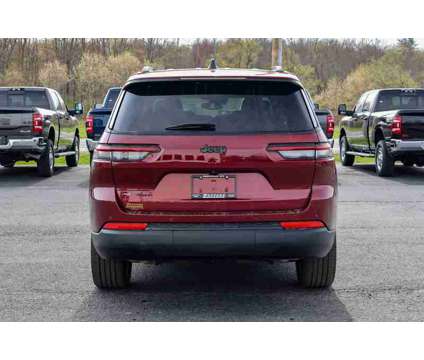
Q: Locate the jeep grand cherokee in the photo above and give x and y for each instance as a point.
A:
(210, 164)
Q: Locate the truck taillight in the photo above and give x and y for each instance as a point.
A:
(330, 125)
(89, 124)
(123, 153)
(37, 123)
(397, 125)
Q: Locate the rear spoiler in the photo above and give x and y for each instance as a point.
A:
(410, 112)
(17, 109)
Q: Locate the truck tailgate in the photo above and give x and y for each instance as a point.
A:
(412, 124)
(15, 121)
(100, 119)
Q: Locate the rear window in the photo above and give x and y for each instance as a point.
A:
(111, 97)
(400, 99)
(27, 98)
(322, 118)
(227, 107)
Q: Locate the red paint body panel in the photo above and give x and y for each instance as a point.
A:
(265, 181)
(269, 188)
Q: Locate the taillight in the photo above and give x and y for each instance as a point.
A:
(124, 153)
(89, 124)
(320, 151)
(125, 226)
(37, 123)
(302, 225)
(397, 125)
(330, 125)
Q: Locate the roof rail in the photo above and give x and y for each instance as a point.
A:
(277, 68)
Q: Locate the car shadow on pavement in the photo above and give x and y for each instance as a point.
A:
(213, 292)
(24, 175)
(405, 175)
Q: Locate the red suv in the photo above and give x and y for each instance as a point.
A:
(213, 163)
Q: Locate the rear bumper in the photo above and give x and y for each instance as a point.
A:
(34, 144)
(239, 240)
(402, 147)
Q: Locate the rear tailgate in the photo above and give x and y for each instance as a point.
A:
(165, 180)
(100, 119)
(326, 120)
(205, 147)
(322, 118)
(412, 124)
(16, 121)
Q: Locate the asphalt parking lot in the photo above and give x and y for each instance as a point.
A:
(45, 262)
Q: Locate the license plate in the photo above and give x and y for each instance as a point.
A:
(213, 187)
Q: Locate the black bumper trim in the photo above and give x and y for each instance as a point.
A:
(161, 241)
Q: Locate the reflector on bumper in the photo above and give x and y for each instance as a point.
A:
(125, 226)
(302, 225)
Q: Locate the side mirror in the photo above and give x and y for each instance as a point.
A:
(316, 106)
(342, 109)
(79, 109)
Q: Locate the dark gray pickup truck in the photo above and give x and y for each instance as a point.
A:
(35, 124)
(327, 122)
(386, 124)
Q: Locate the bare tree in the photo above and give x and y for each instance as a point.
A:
(7, 47)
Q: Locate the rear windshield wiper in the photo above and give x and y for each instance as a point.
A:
(204, 127)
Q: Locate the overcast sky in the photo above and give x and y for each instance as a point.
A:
(419, 41)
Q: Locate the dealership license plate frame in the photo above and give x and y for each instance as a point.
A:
(207, 181)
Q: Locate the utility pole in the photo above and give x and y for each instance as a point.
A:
(277, 52)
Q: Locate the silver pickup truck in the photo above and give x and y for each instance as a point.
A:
(35, 124)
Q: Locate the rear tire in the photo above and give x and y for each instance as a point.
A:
(317, 272)
(346, 159)
(9, 164)
(109, 273)
(384, 163)
(45, 164)
(72, 160)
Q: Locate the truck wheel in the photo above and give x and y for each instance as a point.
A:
(384, 163)
(109, 273)
(317, 272)
(45, 164)
(346, 159)
(72, 160)
(8, 165)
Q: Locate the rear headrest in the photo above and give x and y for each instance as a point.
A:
(249, 104)
(169, 104)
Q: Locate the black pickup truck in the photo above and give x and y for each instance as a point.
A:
(386, 124)
(98, 116)
(35, 124)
